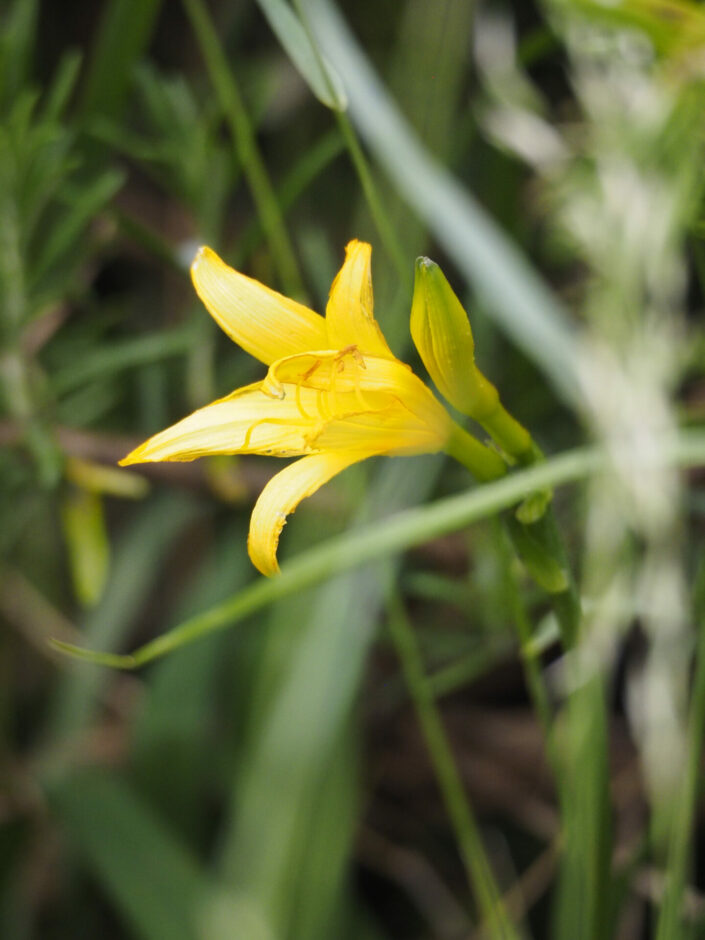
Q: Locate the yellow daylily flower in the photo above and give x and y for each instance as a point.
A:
(334, 394)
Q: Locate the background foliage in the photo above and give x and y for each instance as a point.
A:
(392, 748)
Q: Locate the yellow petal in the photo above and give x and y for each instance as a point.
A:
(248, 421)
(281, 496)
(375, 382)
(349, 315)
(395, 432)
(266, 324)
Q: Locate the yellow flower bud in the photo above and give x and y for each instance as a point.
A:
(441, 331)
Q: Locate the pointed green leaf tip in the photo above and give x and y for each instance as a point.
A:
(441, 331)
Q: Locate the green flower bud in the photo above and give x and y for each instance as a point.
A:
(441, 331)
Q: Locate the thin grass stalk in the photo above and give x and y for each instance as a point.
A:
(401, 531)
(538, 690)
(670, 921)
(380, 216)
(245, 142)
(496, 921)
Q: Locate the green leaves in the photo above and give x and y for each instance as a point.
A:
(316, 70)
(125, 31)
(153, 880)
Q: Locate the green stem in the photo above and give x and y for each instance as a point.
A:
(527, 649)
(510, 435)
(534, 532)
(243, 136)
(538, 543)
(379, 214)
(484, 464)
(384, 538)
(17, 388)
(670, 922)
(484, 886)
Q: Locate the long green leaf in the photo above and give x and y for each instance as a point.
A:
(17, 34)
(244, 139)
(125, 354)
(125, 31)
(87, 203)
(327, 87)
(582, 901)
(407, 528)
(670, 922)
(155, 884)
(276, 851)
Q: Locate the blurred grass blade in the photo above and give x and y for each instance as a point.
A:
(245, 142)
(85, 203)
(125, 354)
(385, 537)
(83, 522)
(680, 858)
(17, 33)
(495, 917)
(526, 309)
(175, 727)
(583, 900)
(304, 171)
(125, 32)
(105, 479)
(672, 25)
(327, 87)
(155, 884)
(138, 557)
(300, 737)
(63, 84)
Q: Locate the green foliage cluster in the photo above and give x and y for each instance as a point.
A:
(384, 745)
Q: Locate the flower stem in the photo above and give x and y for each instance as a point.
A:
(496, 919)
(484, 464)
(510, 435)
(530, 658)
(538, 542)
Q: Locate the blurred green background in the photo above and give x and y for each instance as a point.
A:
(309, 774)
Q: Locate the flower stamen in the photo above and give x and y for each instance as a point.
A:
(283, 422)
(299, 404)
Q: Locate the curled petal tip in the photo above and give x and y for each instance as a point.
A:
(203, 252)
(281, 496)
(135, 456)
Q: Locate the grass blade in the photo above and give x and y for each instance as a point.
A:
(125, 31)
(399, 532)
(243, 136)
(156, 885)
(670, 922)
(325, 85)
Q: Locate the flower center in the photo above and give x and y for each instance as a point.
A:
(321, 372)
